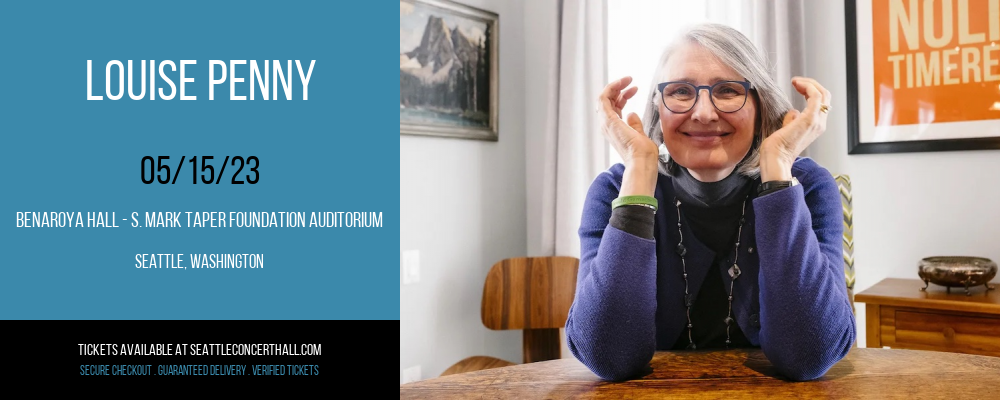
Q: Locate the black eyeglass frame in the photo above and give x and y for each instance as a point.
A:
(697, 92)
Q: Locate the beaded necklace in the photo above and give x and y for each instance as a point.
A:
(734, 272)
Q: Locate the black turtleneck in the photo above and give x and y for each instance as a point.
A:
(712, 210)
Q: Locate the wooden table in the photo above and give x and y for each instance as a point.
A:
(899, 315)
(863, 373)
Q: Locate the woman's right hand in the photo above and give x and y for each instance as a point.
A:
(638, 152)
(629, 139)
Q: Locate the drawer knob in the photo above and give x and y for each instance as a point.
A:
(949, 333)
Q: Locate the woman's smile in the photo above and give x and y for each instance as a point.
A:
(706, 139)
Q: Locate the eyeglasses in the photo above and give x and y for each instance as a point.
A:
(727, 96)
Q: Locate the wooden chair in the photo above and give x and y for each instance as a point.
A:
(532, 294)
(846, 199)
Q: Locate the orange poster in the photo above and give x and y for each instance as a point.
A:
(935, 61)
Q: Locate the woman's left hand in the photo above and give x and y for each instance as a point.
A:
(798, 131)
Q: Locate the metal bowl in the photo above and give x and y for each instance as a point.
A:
(957, 271)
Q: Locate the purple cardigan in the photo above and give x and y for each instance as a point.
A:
(791, 299)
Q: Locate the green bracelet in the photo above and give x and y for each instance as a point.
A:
(648, 201)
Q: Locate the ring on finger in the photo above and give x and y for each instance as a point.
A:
(823, 108)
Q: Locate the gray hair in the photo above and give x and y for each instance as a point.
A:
(735, 50)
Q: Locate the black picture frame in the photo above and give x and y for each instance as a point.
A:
(854, 144)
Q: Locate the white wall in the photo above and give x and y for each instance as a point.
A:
(541, 41)
(462, 205)
(907, 206)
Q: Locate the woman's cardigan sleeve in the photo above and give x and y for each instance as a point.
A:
(806, 320)
(611, 326)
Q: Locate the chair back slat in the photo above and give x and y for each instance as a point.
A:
(529, 293)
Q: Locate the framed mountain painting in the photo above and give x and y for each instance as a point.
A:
(447, 70)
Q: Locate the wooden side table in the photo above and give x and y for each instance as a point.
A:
(899, 315)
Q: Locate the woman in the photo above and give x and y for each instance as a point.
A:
(688, 249)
